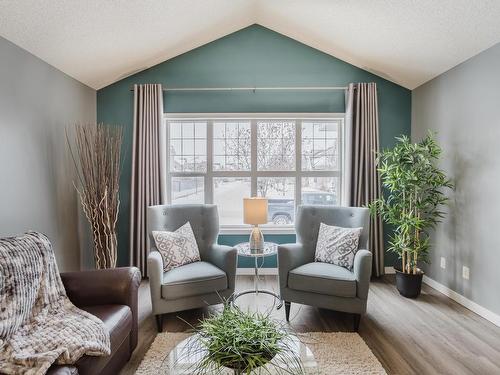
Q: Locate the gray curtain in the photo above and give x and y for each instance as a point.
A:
(363, 180)
(146, 182)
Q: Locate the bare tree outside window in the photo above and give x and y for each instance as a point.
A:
(276, 145)
(232, 150)
(275, 152)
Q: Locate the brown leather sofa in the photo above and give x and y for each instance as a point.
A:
(111, 295)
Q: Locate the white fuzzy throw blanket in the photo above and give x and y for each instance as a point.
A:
(39, 325)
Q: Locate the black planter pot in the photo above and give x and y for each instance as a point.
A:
(409, 285)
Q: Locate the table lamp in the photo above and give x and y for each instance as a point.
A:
(255, 213)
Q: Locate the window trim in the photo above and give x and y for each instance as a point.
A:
(253, 174)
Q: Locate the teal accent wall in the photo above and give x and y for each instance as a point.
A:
(254, 56)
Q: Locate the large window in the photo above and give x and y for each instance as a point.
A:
(287, 158)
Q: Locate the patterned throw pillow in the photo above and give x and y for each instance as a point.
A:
(177, 248)
(337, 245)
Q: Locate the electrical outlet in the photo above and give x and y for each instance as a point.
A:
(465, 272)
(443, 262)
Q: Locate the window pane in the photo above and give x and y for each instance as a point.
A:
(276, 145)
(188, 190)
(320, 190)
(331, 162)
(219, 162)
(317, 163)
(307, 132)
(200, 147)
(175, 147)
(187, 146)
(199, 163)
(175, 163)
(187, 153)
(187, 162)
(331, 145)
(231, 162)
(219, 130)
(200, 130)
(243, 164)
(219, 147)
(319, 146)
(231, 146)
(228, 196)
(280, 192)
(187, 130)
(319, 130)
(331, 130)
(175, 130)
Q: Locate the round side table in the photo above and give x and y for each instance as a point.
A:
(244, 250)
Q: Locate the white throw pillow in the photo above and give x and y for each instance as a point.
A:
(337, 245)
(177, 248)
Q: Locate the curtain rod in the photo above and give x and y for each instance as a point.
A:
(312, 88)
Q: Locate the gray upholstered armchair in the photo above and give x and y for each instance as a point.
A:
(302, 280)
(196, 284)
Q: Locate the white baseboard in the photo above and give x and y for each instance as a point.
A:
(467, 303)
(389, 270)
(262, 271)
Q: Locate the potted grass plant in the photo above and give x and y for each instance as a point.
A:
(245, 343)
(412, 204)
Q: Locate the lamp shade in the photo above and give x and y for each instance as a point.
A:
(255, 210)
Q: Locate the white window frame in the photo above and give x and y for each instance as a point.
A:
(253, 174)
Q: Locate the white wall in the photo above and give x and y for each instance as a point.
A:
(37, 102)
(463, 106)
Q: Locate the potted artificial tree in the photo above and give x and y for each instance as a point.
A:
(414, 195)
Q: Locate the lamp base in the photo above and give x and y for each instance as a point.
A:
(256, 240)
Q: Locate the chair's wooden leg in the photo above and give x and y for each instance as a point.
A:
(287, 310)
(357, 320)
(159, 322)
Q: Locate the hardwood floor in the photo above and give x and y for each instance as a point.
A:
(430, 335)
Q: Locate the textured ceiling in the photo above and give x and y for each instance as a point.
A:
(100, 41)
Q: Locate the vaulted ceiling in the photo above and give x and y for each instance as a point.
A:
(101, 41)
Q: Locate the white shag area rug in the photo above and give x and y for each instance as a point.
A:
(335, 352)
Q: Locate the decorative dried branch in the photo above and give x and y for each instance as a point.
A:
(97, 161)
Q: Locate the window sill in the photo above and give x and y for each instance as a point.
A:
(266, 229)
